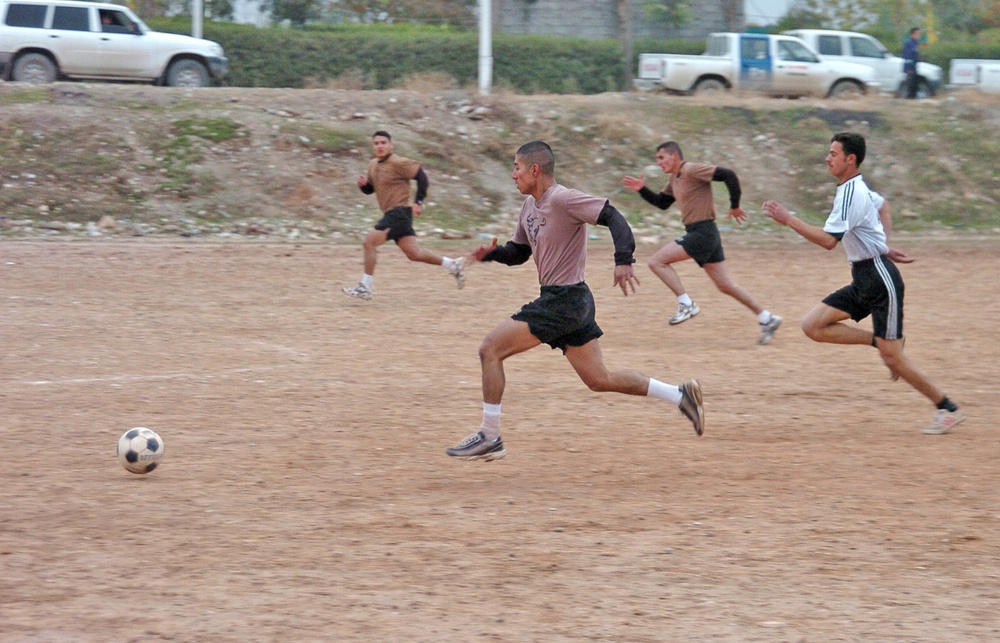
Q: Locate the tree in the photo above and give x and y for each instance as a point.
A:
(297, 12)
(450, 12)
(672, 12)
(990, 13)
(893, 15)
(965, 16)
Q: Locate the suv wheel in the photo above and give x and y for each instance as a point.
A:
(34, 69)
(187, 73)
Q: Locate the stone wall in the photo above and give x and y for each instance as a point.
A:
(599, 18)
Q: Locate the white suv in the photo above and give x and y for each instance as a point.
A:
(43, 40)
(851, 46)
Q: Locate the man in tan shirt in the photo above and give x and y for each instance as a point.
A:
(389, 177)
(691, 187)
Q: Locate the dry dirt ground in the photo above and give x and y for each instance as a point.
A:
(305, 494)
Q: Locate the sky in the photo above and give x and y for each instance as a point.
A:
(765, 12)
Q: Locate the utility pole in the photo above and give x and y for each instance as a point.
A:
(625, 20)
(485, 47)
(197, 17)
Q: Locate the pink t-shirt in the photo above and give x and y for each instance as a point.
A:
(556, 229)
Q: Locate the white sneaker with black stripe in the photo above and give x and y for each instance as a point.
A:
(768, 329)
(684, 313)
(477, 447)
(358, 291)
(457, 271)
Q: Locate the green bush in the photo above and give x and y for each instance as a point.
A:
(386, 55)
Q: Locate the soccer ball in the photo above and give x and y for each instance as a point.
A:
(140, 449)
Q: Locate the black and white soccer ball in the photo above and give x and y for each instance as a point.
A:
(140, 450)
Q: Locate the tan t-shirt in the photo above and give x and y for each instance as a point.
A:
(692, 188)
(391, 180)
(556, 229)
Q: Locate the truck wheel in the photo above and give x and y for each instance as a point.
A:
(709, 86)
(34, 69)
(924, 89)
(846, 89)
(187, 73)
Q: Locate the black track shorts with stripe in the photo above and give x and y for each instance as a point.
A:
(562, 316)
(876, 290)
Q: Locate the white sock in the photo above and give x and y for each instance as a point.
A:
(764, 317)
(366, 281)
(447, 263)
(664, 391)
(685, 300)
(491, 421)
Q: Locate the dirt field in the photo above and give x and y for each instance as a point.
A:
(305, 494)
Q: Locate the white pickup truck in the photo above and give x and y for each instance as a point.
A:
(774, 64)
(981, 74)
(851, 46)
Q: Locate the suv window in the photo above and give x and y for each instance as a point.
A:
(26, 15)
(866, 48)
(71, 18)
(829, 46)
(115, 22)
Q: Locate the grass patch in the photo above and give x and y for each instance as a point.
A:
(25, 96)
(326, 140)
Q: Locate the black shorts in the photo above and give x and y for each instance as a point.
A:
(702, 242)
(876, 290)
(399, 223)
(562, 316)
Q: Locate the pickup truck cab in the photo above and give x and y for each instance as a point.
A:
(773, 64)
(44, 40)
(854, 47)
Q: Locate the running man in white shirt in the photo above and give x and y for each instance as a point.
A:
(860, 218)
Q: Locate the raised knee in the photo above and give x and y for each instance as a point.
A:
(487, 351)
(810, 329)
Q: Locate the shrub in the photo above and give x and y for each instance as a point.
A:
(384, 56)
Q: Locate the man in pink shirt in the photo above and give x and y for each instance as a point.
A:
(552, 228)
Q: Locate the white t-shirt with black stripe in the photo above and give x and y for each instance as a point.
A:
(854, 220)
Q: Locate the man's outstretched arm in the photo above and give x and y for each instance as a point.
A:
(815, 234)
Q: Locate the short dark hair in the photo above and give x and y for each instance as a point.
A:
(538, 153)
(670, 147)
(852, 143)
(914, 30)
(382, 132)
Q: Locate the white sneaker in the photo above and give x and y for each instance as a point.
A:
(944, 421)
(767, 330)
(684, 313)
(359, 291)
(457, 271)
